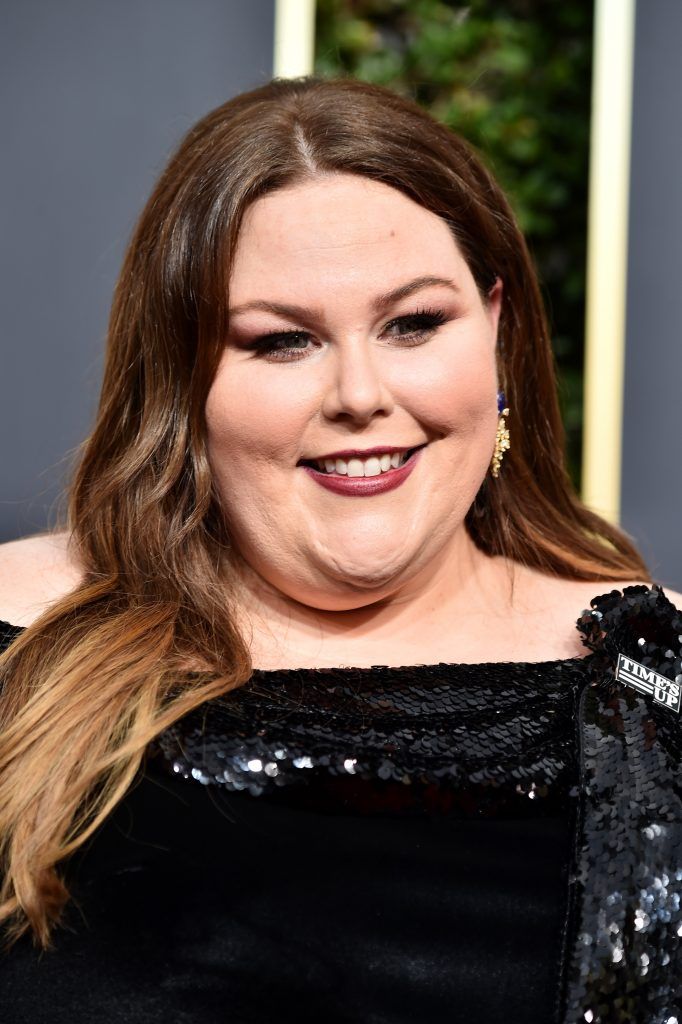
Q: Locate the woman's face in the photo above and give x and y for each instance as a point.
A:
(356, 373)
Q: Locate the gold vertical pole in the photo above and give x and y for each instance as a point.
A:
(607, 249)
(294, 49)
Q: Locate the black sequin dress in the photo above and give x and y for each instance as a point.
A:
(375, 846)
(429, 843)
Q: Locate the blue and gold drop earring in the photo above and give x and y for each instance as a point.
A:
(502, 438)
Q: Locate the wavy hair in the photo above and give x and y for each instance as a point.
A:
(92, 681)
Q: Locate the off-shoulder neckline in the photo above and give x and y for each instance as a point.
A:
(337, 671)
(599, 601)
(443, 666)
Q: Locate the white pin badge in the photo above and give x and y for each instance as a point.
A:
(647, 681)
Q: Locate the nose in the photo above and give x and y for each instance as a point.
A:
(356, 388)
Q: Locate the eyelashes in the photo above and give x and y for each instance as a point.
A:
(279, 345)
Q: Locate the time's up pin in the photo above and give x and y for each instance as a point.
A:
(647, 681)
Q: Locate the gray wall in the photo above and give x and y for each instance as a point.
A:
(652, 423)
(95, 94)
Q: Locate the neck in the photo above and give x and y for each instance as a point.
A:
(461, 589)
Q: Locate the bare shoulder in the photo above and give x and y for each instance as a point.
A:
(549, 608)
(35, 572)
(566, 600)
(577, 594)
(604, 587)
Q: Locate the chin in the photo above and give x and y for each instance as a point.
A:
(369, 574)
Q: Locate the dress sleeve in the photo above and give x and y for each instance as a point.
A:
(636, 643)
(640, 622)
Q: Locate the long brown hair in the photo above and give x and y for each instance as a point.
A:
(90, 683)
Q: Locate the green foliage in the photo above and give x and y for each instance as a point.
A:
(514, 78)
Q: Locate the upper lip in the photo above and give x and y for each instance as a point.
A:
(350, 453)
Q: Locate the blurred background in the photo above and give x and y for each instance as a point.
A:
(574, 106)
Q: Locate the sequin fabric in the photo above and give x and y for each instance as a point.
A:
(477, 740)
(624, 933)
(503, 738)
(488, 732)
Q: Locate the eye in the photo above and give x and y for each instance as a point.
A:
(278, 343)
(423, 322)
(290, 346)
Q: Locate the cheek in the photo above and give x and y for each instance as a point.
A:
(456, 394)
(251, 426)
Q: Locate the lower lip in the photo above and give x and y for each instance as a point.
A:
(364, 486)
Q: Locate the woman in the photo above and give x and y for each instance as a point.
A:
(297, 721)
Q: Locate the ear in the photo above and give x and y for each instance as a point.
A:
(494, 305)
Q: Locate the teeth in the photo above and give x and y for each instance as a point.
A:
(375, 465)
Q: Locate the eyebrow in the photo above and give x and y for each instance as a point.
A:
(379, 303)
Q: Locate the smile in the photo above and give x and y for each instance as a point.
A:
(364, 476)
(374, 465)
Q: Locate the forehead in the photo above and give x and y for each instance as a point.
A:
(340, 228)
